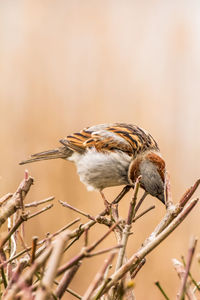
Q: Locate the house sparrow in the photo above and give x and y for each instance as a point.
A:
(112, 154)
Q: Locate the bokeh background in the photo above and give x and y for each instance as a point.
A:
(65, 65)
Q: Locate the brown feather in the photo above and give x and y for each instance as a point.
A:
(159, 162)
(136, 140)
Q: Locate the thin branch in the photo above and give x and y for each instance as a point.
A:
(70, 291)
(16, 273)
(86, 237)
(188, 194)
(157, 283)
(5, 198)
(124, 191)
(33, 249)
(119, 236)
(146, 249)
(173, 211)
(73, 293)
(143, 213)
(13, 204)
(3, 276)
(191, 250)
(181, 273)
(22, 218)
(168, 195)
(140, 201)
(66, 279)
(104, 250)
(76, 233)
(39, 243)
(128, 225)
(40, 211)
(36, 203)
(62, 229)
(190, 275)
(65, 204)
(98, 278)
(125, 235)
(84, 252)
(27, 276)
(131, 212)
(137, 269)
(23, 242)
(51, 267)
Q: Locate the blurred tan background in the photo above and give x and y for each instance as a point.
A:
(69, 64)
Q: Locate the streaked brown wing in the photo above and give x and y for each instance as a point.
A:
(124, 137)
(138, 138)
(76, 140)
(105, 141)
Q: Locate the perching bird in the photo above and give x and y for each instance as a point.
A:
(110, 155)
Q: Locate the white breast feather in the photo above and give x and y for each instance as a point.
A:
(98, 170)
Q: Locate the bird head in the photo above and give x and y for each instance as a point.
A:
(151, 167)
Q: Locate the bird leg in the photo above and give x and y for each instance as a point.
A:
(106, 203)
(124, 191)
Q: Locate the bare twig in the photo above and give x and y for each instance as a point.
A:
(22, 218)
(131, 212)
(125, 190)
(5, 198)
(191, 250)
(76, 233)
(12, 204)
(173, 211)
(73, 293)
(34, 275)
(33, 249)
(40, 211)
(85, 252)
(16, 273)
(127, 227)
(51, 268)
(157, 283)
(188, 194)
(197, 285)
(168, 195)
(98, 278)
(122, 237)
(65, 204)
(104, 250)
(139, 255)
(27, 276)
(36, 203)
(66, 279)
(143, 213)
(4, 279)
(181, 273)
(137, 269)
(39, 243)
(140, 201)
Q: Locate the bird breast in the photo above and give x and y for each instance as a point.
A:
(98, 170)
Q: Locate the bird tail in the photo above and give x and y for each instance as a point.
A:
(61, 152)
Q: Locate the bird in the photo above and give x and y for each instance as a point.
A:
(113, 154)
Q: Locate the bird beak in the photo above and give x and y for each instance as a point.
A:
(161, 197)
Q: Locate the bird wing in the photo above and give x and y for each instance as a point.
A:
(128, 138)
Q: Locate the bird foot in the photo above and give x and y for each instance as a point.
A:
(106, 203)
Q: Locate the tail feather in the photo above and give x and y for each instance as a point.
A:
(61, 152)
